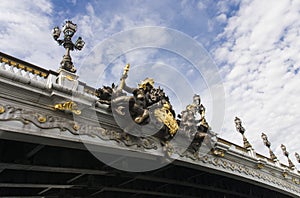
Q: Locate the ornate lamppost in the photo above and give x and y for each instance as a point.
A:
(69, 30)
(241, 129)
(268, 144)
(283, 148)
(297, 157)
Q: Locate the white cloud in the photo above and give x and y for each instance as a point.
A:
(95, 27)
(224, 6)
(262, 87)
(222, 18)
(26, 32)
(201, 5)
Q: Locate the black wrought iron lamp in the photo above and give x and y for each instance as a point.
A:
(69, 29)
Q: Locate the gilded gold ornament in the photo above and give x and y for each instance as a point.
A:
(260, 165)
(5, 60)
(76, 112)
(70, 78)
(164, 115)
(144, 83)
(76, 127)
(284, 174)
(294, 180)
(68, 106)
(2, 109)
(20, 66)
(218, 152)
(42, 119)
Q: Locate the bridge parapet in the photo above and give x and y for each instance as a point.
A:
(28, 112)
(18, 70)
(22, 68)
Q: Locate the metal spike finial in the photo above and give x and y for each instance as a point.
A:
(297, 157)
(241, 129)
(283, 148)
(267, 143)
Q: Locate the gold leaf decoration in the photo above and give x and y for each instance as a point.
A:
(2, 109)
(42, 119)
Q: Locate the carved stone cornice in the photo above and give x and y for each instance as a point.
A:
(46, 121)
(242, 170)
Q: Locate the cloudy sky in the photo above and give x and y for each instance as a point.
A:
(249, 48)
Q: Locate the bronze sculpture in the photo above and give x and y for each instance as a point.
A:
(147, 106)
(194, 126)
(150, 110)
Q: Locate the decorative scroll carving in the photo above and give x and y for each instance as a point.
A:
(38, 119)
(11, 113)
(249, 171)
(44, 121)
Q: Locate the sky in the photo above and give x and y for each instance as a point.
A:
(242, 57)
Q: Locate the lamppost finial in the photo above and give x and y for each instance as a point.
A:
(283, 148)
(69, 29)
(241, 129)
(267, 143)
(297, 157)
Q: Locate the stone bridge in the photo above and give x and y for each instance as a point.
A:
(57, 140)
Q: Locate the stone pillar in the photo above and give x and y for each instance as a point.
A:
(67, 79)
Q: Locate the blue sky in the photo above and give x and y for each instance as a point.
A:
(183, 16)
(253, 47)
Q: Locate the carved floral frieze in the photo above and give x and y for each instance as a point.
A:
(45, 121)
